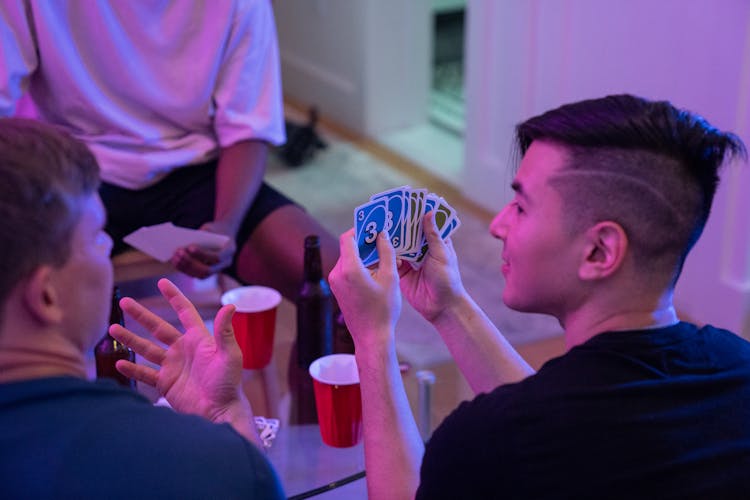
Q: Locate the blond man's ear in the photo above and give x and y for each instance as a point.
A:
(41, 297)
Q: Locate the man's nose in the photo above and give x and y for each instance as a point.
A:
(498, 226)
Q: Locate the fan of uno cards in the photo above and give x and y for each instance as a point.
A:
(399, 213)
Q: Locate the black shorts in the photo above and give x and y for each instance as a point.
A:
(186, 197)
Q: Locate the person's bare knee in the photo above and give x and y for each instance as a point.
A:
(273, 255)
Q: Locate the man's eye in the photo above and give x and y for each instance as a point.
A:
(517, 207)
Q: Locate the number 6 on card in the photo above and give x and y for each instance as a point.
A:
(369, 220)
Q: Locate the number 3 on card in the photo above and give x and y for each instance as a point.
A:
(371, 232)
(369, 220)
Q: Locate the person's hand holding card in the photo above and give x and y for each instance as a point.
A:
(196, 252)
(200, 261)
(435, 285)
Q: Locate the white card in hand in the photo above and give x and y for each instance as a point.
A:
(161, 241)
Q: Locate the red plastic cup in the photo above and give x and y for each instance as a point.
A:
(254, 322)
(338, 399)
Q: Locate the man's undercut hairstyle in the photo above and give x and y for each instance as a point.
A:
(646, 165)
(44, 177)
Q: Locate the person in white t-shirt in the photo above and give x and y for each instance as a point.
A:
(179, 101)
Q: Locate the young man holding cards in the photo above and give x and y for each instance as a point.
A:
(611, 195)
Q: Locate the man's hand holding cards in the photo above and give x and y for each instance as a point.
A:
(399, 213)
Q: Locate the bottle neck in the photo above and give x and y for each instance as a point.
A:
(116, 316)
(313, 268)
(115, 313)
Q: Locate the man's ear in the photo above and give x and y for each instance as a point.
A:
(605, 248)
(41, 297)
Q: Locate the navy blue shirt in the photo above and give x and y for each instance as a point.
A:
(70, 438)
(661, 413)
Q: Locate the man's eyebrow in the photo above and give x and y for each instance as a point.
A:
(518, 188)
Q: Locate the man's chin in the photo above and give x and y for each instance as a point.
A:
(518, 304)
(513, 304)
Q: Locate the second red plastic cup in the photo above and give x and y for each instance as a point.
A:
(254, 322)
(338, 399)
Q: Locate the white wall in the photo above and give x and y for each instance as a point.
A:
(526, 56)
(363, 63)
(322, 52)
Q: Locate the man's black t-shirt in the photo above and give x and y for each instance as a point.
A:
(661, 413)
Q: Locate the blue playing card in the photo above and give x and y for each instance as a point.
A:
(396, 214)
(369, 220)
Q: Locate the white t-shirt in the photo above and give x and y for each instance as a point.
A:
(149, 85)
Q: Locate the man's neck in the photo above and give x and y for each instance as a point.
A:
(23, 363)
(581, 327)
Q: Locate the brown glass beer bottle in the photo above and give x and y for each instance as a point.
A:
(314, 333)
(342, 339)
(108, 350)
